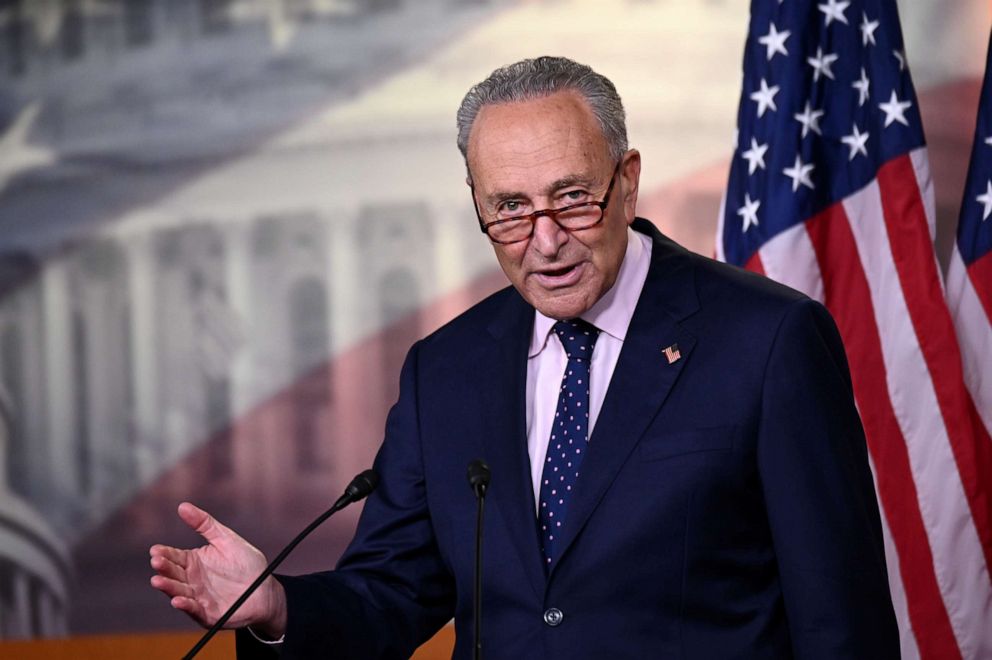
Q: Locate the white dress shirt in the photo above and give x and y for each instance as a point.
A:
(546, 358)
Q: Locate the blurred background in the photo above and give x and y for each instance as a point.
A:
(223, 223)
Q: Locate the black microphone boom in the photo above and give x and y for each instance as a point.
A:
(359, 488)
(478, 479)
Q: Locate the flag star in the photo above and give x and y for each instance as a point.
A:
(749, 212)
(774, 41)
(755, 156)
(988, 140)
(821, 64)
(765, 97)
(867, 30)
(862, 87)
(901, 57)
(800, 174)
(985, 199)
(856, 141)
(895, 110)
(834, 10)
(810, 119)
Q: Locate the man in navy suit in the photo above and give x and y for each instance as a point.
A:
(678, 466)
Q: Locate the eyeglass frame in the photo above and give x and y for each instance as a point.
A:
(550, 213)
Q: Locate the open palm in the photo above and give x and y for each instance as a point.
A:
(205, 581)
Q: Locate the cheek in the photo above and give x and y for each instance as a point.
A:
(608, 254)
(510, 259)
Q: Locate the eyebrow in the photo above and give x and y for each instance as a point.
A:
(564, 182)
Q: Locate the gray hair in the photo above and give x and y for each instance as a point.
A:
(540, 77)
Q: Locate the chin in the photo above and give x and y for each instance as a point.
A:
(562, 306)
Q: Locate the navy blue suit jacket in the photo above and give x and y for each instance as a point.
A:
(725, 507)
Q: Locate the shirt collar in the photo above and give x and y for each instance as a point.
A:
(611, 313)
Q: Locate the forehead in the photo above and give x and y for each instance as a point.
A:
(528, 142)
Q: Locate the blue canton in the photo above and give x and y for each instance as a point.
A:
(569, 433)
(974, 225)
(827, 100)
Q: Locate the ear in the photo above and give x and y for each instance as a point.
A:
(630, 177)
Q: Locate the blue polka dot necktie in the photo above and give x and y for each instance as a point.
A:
(569, 433)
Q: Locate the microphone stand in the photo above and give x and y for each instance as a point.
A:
(478, 479)
(358, 489)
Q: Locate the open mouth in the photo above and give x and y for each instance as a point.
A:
(560, 271)
(560, 277)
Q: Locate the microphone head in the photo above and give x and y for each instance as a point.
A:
(478, 477)
(362, 485)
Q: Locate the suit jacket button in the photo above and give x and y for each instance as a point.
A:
(553, 616)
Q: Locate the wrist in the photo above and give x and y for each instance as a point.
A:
(274, 625)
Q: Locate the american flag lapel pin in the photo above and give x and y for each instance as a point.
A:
(672, 353)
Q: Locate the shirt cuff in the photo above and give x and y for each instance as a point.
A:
(281, 639)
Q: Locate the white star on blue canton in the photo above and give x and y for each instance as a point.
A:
(810, 119)
(868, 30)
(901, 57)
(800, 174)
(833, 10)
(895, 110)
(986, 199)
(821, 64)
(749, 212)
(774, 41)
(862, 86)
(765, 97)
(856, 141)
(755, 156)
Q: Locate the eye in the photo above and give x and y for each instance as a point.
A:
(573, 196)
(510, 208)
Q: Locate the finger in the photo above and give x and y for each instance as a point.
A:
(169, 569)
(171, 587)
(175, 555)
(190, 607)
(204, 524)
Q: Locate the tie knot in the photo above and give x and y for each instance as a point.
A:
(578, 337)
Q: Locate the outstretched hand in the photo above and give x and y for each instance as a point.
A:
(203, 582)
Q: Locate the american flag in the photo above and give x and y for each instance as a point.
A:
(969, 276)
(830, 193)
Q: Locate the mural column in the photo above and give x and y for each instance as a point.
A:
(57, 304)
(237, 275)
(144, 335)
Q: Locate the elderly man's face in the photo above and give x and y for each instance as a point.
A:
(547, 153)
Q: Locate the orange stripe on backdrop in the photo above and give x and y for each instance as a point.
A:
(167, 646)
(848, 298)
(912, 252)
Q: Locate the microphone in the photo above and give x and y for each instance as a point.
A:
(359, 488)
(478, 479)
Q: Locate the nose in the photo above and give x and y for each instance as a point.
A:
(548, 237)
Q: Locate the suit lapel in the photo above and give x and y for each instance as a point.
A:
(641, 379)
(505, 435)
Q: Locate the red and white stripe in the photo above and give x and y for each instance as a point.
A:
(870, 259)
(969, 296)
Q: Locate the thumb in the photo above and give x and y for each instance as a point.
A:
(204, 524)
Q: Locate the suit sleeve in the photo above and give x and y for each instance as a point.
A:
(391, 591)
(820, 496)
